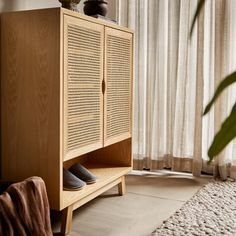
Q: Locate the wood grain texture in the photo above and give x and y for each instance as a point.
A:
(66, 221)
(119, 154)
(96, 193)
(30, 112)
(107, 175)
(80, 159)
(121, 186)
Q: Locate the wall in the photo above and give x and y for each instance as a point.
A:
(17, 5)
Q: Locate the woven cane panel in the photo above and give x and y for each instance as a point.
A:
(118, 86)
(84, 87)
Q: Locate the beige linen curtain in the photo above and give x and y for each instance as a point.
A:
(219, 60)
(175, 78)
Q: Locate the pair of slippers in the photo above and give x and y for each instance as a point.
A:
(76, 177)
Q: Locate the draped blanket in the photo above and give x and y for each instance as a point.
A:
(24, 209)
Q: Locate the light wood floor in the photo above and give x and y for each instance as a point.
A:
(150, 198)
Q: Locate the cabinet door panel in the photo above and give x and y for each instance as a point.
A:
(83, 75)
(118, 80)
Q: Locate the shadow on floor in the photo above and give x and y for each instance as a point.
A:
(109, 195)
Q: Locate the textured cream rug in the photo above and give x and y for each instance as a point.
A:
(211, 211)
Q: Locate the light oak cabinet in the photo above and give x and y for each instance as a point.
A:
(66, 97)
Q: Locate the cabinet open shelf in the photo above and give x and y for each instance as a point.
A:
(109, 164)
(107, 177)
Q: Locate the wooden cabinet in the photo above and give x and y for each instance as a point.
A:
(66, 97)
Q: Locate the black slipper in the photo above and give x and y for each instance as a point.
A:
(82, 173)
(71, 182)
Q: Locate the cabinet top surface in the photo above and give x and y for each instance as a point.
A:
(64, 11)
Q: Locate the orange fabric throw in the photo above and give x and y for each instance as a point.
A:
(24, 209)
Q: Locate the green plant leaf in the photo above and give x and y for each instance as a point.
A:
(224, 136)
(230, 79)
(197, 12)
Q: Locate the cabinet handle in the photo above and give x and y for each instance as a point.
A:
(103, 86)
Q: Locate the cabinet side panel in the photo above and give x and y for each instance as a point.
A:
(30, 92)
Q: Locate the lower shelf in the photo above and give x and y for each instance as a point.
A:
(107, 177)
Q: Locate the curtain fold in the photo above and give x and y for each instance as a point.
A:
(220, 61)
(174, 79)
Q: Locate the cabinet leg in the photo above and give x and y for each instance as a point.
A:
(66, 220)
(121, 186)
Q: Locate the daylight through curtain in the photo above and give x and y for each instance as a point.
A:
(175, 78)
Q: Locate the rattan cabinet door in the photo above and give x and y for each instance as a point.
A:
(83, 75)
(118, 83)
